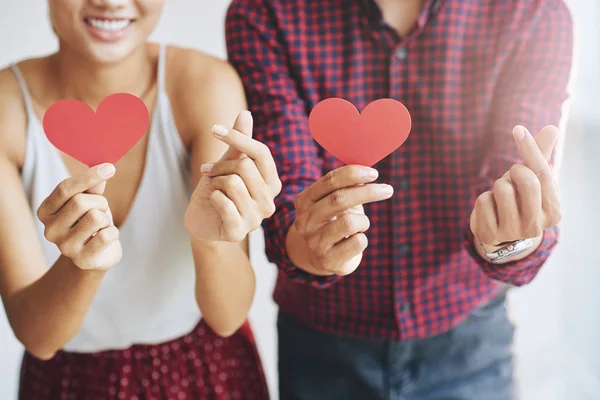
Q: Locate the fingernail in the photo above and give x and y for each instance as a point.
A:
(106, 171)
(387, 190)
(371, 173)
(220, 130)
(246, 113)
(520, 132)
(207, 168)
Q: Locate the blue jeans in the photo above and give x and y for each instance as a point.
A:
(470, 362)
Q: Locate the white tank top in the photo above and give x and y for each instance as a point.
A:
(148, 297)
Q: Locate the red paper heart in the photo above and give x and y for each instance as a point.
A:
(364, 139)
(120, 121)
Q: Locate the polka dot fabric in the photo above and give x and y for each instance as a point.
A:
(198, 366)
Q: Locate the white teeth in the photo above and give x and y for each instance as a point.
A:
(113, 25)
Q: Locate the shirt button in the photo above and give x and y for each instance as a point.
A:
(405, 307)
(436, 6)
(405, 248)
(401, 53)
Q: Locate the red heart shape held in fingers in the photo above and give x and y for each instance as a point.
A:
(104, 136)
(365, 138)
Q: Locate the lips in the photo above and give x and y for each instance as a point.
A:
(108, 29)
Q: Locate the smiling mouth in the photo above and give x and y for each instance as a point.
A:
(108, 25)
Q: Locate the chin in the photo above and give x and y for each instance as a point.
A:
(111, 53)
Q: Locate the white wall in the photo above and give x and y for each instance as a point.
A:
(558, 315)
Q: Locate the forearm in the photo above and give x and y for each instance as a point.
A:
(225, 284)
(48, 313)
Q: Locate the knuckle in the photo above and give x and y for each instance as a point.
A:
(96, 216)
(483, 200)
(503, 188)
(534, 230)
(543, 173)
(245, 165)
(107, 235)
(329, 179)
(269, 208)
(301, 223)
(554, 216)
(314, 243)
(338, 198)
(78, 201)
(264, 150)
(347, 223)
(49, 233)
(237, 234)
(233, 182)
(278, 186)
(40, 211)
(67, 249)
(62, 189)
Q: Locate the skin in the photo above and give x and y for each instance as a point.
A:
(46, 306)
(328, 235)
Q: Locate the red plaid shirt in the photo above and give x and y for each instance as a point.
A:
(468, 72)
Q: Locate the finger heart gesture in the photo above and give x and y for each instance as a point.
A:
(525, 200)
(236, 193)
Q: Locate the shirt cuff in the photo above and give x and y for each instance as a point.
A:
(276, 230)
(520, 272)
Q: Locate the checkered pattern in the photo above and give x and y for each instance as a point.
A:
(468, 72)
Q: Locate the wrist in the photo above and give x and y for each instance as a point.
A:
(505, 252)
(300, 253)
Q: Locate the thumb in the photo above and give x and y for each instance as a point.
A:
(100, 187)
(243, 123)
(546, 140)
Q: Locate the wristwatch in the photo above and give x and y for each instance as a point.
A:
(508, 249)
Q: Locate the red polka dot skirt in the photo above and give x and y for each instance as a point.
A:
(198, 366)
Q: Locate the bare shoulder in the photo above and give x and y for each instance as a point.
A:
(203, 89)
(13, 118)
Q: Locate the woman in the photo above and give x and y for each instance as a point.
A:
(131, 281)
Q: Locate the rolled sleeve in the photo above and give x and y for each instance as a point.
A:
(532, 92)
(256, 49)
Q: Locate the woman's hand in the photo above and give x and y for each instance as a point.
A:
(78, 220)
(235, 193)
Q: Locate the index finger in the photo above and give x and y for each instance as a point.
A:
(69, 187)
(536, 159)
(257, 151)
(343, 177)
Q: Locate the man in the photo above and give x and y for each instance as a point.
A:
(392, 279)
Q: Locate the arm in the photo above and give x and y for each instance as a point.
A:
(281, 123)
(318, 231)
(45, 307)
(225, 280)
(532, 92)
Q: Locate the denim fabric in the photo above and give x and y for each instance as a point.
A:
(470, 362)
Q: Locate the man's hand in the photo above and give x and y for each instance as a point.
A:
(235, 193)
(331, 222)
(525, 201)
